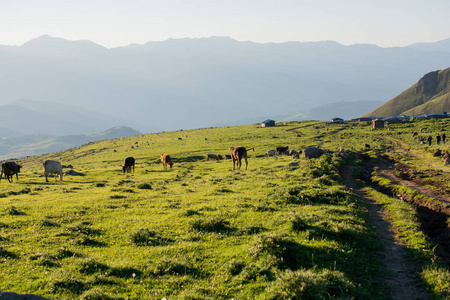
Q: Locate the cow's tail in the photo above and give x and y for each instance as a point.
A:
(1, 174)
(252, 149)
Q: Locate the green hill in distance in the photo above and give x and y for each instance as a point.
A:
(431, 94)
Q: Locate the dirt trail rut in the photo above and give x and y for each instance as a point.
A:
(403, 282)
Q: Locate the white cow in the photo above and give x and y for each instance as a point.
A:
(271, 152)
(53, 167)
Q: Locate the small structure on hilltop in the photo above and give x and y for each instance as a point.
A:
(377, 123)
(336, 121)
(268, 123)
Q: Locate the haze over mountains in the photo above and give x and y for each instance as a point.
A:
(78, 88)
(189, 83)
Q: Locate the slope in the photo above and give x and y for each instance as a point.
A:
(429, 94)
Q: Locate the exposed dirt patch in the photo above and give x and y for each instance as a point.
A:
(403, 282)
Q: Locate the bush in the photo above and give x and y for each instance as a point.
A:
(90, 266)
(168, 266)
(219, 225)
(145, 186)
(147, 237)
(308, 284)
(288, 253)
(65, 281)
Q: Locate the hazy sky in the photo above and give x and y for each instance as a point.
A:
(113, 23)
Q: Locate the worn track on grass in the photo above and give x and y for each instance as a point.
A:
(403, 282)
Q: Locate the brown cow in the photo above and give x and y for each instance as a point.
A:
(10, 168)
(237, 154)
(165, 159)
(213, 156)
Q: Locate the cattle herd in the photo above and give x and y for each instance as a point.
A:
(238, 154)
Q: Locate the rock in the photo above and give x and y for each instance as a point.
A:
(15, 296)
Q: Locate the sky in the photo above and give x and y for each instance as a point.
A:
(113, 23)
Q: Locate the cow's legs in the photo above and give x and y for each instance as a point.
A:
(246, 163)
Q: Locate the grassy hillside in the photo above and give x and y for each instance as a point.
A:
(199, 230)
(429, 95)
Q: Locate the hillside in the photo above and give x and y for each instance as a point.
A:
(195, 83)
(431, 94)
(284, 228)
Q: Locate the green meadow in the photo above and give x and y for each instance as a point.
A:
(202, 230)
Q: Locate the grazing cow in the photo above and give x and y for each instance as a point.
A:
(227, 156)
(10, 168)
(53, 167)
(212, 156)
(313, 152)
(220, 157)
(165, 159)
(128, 164)
(281, 150)
(237, 154)
(271, 152)
(291, 152)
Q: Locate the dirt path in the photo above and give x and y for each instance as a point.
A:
(389, 174)
(403, 282)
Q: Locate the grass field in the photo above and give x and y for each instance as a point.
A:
(202, 230)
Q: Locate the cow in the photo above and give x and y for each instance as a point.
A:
(313, 152)
(271, 153)
(281, 150)
(165, 159)
(291, 152)
(128, 164)
(10, 168)
(212, 156)
(53, 167)
(237, 154)
(227, 156)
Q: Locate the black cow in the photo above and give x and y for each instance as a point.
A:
(281, 150)
(10, 168)
(128, 164)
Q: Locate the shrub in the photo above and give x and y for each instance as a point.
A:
(145, 186)
(91, 266)
(289, 253)
(65, 281)
(308, 284)
(147, 237)
(13, 211)
(169, 266)
(217, 224)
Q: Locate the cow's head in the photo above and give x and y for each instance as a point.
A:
(18, 168)
(171, 164)
(124, 168)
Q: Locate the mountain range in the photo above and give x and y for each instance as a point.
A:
(431, 94)
(36, 144)
(191, 83)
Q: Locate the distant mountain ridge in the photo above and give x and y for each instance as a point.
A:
(191, 83)
(27, 117)
(431, 94)
(15, 147)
